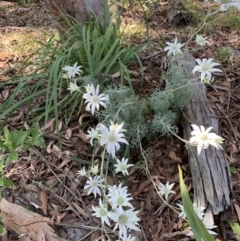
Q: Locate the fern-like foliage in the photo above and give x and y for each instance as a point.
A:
(178, 83)
(160, 101)
(125, 106)
(161, 123)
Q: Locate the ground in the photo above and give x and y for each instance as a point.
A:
(61, 197)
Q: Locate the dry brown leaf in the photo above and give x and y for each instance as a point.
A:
(142, 186)
(60, 217)
(68, 133)
(48, 125)
(64, 162)
(80, 120)
(237, 208)
(40, 235)
(80, 210)
(59, 127)
(175, 158)
(116, 75)
(44, 200)
(83, 136)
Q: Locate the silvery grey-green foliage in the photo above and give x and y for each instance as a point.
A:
(162, 122)
(160, 101)
(125, 106)
(178, 84)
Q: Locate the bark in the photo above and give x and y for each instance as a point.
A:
(177, 14)
(210, 170)
(81, 10)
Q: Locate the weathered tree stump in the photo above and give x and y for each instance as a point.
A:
(210, 170)
(177, 14)
(81, 10)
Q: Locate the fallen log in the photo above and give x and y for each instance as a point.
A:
(27, 225)
(210, 170)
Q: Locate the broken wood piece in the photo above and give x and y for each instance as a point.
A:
(26, 224)
(210, 170)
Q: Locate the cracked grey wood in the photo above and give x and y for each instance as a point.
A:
(210, 170)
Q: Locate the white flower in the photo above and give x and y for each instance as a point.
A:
(94, 169)
(198, 211)
(82, 172)
(116, 127)
(93, 134)
(73, 87)
(94, 185)
(88, 88)
(72, 71)
(202, 138)
(101, 212)
(113, 190)
(124, 220)
(112, 137)
(94, 99)
(225, 4)
(173, 48)
(127, 238)
(207, 225)
(122, 166)
(118, 197)
(206, 67)
(201, 40)
(166, 189)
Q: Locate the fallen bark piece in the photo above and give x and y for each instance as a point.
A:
(26, 224)
(210, 170)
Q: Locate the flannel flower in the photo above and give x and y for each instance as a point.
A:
(207, 225)
(93, 134)
(94, 169)
(94, 185)
(166, 189)
(94, 99)
(202, 138)
(127, 238)
(122, 166)
(201, 40)
(101, 212)
(124, 220)
(173, 48)
(206, 68)
(225, 4)
(198, 211)
(82, 172)
(118, 197)
(112, 137)
(72, 87)
(72, 71)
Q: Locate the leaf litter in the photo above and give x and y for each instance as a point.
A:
(49, 177)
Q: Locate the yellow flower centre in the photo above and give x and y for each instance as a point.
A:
(94, 99)
(120, 200)
(111, 138)
(203, 137)
(102, 212)
(122, 219)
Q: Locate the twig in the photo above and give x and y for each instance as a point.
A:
(236, 139)
(150, 56)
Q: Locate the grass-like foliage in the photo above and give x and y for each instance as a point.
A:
(99, 49)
